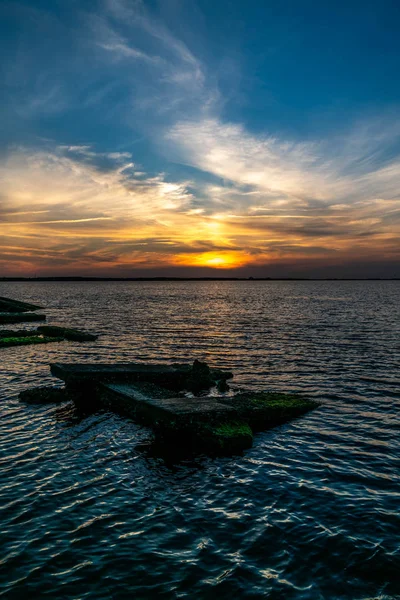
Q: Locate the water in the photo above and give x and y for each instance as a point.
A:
(310, 512)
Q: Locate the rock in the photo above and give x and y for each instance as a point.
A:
(199, 377)
(44, 395)
(220, 375)
(222, 386)
(74, 335)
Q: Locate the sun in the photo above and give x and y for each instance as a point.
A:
(216, 260)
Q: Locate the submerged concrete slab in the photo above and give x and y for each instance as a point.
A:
(23, 317)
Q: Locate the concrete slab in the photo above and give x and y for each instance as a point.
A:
(123, 372)
(181, 410)
(23, 317)
(10, 305)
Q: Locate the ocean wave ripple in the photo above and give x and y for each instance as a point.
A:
(310, 512)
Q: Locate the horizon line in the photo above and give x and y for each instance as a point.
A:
(94, 278)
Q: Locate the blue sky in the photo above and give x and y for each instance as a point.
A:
(182, 137)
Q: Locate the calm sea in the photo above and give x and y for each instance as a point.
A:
(87, 510)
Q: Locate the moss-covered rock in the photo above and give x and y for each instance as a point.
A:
(6, 342)
(45, 395)
(74, 335)
(267, 409)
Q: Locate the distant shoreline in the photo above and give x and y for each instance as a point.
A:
(79, 279)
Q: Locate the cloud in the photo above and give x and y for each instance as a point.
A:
(172, 78)
(249, 198)
(297, 172)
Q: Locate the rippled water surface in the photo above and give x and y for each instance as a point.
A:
(310, 512)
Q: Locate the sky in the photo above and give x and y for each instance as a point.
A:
(200, 138)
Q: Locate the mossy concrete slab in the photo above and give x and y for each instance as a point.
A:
(7, 342)
(11, 305)
(263, 410)
(25, 317)
(203, 424)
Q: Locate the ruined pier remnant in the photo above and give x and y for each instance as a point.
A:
(172, 376)
(14, 311)
(161, 396)
(42, 335)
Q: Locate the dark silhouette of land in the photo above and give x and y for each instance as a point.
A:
(77, 278)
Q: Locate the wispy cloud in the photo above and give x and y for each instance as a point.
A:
(335, 170)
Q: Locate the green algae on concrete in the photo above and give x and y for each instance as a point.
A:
(45, 395)
(7, 342)
(228, 437)
(263, 410)
(9, 317)
(73, 335)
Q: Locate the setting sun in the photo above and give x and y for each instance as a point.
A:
(218, 260)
